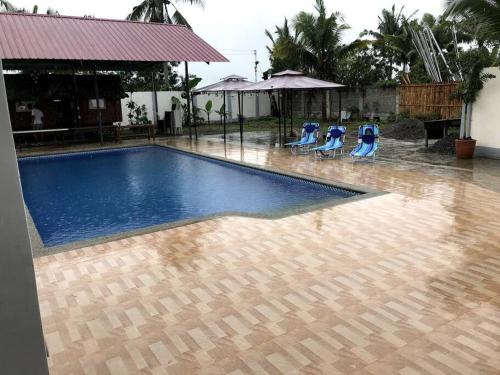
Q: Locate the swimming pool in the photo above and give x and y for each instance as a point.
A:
(87, 195)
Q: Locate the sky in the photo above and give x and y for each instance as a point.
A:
(236, 27)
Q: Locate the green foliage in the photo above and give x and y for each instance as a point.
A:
(474, 77)
(161, 11)
(208, 109)
(138, 114)
(312, 43)
(485, 13)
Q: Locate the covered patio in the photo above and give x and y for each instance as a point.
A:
(37, 44)
(71, 45)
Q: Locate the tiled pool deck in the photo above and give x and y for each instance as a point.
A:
(403, 283)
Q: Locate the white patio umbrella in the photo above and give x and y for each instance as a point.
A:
(290, 80)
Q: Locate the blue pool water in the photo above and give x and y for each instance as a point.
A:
(82, 196)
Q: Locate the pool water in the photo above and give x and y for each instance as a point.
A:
(83, 196)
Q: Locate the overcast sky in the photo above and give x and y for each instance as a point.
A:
(236, 27)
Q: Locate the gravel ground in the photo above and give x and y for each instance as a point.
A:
(405, 129)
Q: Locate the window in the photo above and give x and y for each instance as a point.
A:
(93, 104)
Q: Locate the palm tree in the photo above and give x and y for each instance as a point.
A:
(285, 50)
(319, 37)
(392, 41)
(160, 11)
(486, 12)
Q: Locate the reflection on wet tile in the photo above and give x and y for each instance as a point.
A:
(407, 282)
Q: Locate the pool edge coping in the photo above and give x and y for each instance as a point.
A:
(39, 250)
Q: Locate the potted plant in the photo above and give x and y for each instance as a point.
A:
(468, 91)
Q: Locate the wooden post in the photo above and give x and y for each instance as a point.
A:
(155, 101)
(99, 115)
(188, 101)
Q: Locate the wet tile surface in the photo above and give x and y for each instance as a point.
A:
(404, 283)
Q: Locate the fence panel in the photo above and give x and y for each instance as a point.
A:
(430, 99)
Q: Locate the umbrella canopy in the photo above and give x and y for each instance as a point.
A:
(290, 80)
(229, 83)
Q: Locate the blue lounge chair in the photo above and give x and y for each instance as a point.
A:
(335, 138)
(368, 137)
(309, 138)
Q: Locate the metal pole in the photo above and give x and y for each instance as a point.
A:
(224, 114)
(279, 117)
(291, 114)
(284, 117)
(340, 106)
(240, 109)
(188, 101)
(99, 115)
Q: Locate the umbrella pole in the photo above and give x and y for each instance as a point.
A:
(340, 106)
(284, 117)
(240, 118)
(291, 115)
(224, 105)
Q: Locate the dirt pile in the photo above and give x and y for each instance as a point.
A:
(445, 146)
(405, 129)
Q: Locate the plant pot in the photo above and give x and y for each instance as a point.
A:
(465, 148)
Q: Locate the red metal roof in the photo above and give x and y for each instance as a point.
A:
(44, 37)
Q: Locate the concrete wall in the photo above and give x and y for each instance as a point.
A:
(486, 118)
(371, 102)
(22, 349)
(251, 107)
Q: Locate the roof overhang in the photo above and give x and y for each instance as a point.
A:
(43, 41)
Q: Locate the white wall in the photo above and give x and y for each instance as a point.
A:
(146, 97)
(165, 103)
(486, 117)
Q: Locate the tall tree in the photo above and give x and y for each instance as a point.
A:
(285, 51)
(162, 11)
(391, 41)
(319, 37)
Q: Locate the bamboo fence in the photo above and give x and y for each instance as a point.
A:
(430, 100)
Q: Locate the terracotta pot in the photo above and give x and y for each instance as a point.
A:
(465, 148)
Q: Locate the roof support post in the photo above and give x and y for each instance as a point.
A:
(188, 100)
(98, 107)
(22, 349)
(75, 102)
(155, 101)
(194, 118)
